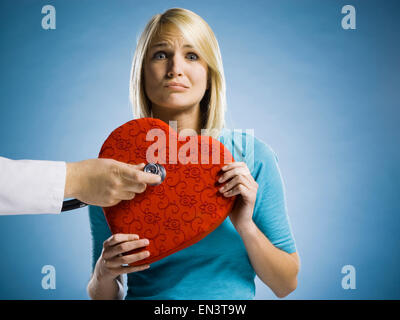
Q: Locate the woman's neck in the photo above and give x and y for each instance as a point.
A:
(189, 118)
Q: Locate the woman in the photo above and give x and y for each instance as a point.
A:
(177, 74)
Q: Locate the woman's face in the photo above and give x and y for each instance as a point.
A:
(171, 59)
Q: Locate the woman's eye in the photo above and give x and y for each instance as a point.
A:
(160, 55)
(192, 56)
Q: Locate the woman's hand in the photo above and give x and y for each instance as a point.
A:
(243, 184)
(110, 264)
(105, 182)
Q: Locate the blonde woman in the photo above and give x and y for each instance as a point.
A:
(177, 75)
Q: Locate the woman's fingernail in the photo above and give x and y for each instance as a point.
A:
(146, 242)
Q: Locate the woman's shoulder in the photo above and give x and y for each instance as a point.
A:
(246, 147)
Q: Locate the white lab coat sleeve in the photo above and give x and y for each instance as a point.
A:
(31, 186)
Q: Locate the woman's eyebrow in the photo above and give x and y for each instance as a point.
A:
(165, 44)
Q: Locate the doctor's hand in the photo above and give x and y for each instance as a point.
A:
(105, 182)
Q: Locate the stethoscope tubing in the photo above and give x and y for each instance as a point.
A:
(72, 205)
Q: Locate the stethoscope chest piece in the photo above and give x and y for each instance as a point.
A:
(156, 168)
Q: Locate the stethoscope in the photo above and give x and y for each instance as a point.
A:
(154, 168)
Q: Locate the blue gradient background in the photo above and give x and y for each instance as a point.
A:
(325, 99)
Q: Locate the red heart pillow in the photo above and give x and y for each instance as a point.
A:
(187, 205)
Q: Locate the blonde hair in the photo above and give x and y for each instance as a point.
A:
(195, 29)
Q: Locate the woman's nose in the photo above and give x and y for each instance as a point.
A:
(175, 67)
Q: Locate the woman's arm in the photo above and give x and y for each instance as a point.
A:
(108, 261)
(105, 289)
(106, 281)
(276, 268)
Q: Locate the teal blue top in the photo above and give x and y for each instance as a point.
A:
(216, 267)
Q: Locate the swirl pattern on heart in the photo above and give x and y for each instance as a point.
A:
(183, 209)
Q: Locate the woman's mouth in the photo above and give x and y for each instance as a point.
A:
(176, 88)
